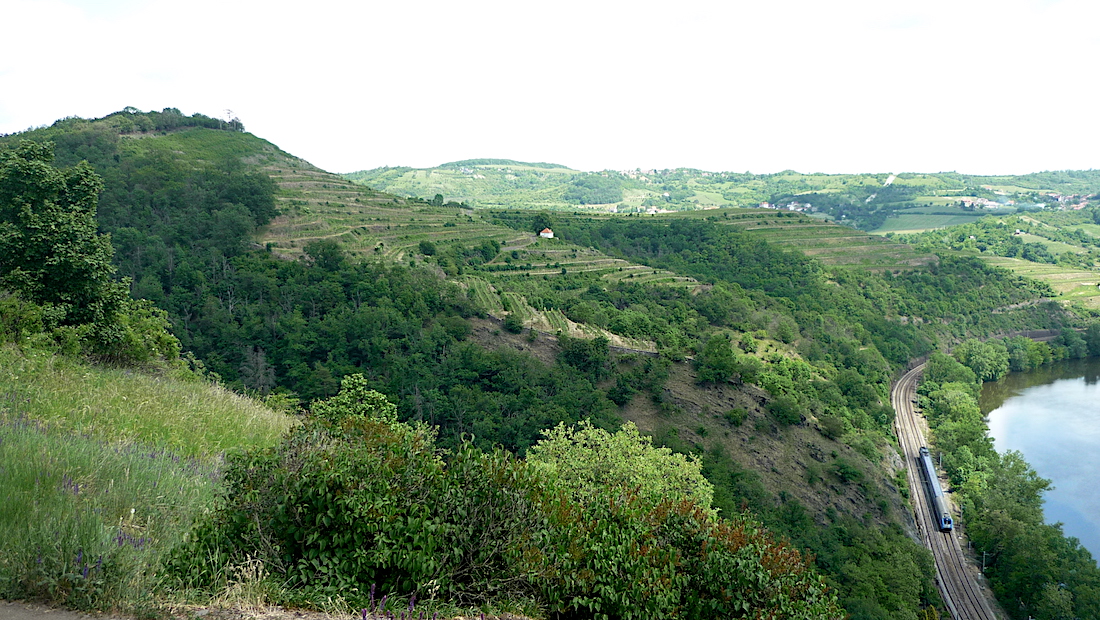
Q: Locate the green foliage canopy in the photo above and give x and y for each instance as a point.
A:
(52, 255)
(50, 249)
(353, 499)
(585, 461)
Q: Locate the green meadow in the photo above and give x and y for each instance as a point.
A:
(104, 471)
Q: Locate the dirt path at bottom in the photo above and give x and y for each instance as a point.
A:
(17, 610)
(30, 611)
(14, 610)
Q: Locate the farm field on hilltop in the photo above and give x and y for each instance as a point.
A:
(920, 220)
(830, 243)
(1071, 285)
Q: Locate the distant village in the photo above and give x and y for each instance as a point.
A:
(1055, 200)
(803, 207)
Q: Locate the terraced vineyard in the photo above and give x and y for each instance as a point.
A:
(832, 244)
(1071, 285)
(533, 256)
(320, 205)
(500, 303)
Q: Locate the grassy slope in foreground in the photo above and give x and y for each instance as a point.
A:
(104, 471)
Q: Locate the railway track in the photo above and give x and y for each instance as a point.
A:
(957, 578)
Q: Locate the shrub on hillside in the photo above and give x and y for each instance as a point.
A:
(513, 323)
(605, 525)
(353, 497)
(787, 410)
(586, 461)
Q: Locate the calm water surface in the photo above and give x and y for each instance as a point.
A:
(1052, 416)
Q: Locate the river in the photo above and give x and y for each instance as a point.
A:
(1052, 416)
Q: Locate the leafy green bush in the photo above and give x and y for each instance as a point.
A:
(736, 417)
(140, 335)
(513, 323)
(832, 426)
(596, 525)
(787, 410)
(19, 318)
(353, 497)
(622, 558)
(846, 471)
(585, 461)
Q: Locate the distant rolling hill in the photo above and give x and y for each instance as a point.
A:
(880, 202)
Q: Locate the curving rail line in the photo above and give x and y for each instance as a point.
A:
(957, 579)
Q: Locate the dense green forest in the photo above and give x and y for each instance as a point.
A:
(182, 223)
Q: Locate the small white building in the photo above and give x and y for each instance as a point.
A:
(546, 233)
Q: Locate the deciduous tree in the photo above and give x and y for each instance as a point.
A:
(50, 250)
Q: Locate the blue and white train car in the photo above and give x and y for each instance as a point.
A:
(940, 513)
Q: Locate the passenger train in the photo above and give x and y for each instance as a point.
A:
(940, 513)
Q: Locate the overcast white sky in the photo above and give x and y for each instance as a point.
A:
(985, 87)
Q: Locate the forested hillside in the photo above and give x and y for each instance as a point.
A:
(1058, 246)
(770, 368)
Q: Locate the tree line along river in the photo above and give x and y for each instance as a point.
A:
(1052, 416)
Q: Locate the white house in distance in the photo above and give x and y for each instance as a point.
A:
(546, 233)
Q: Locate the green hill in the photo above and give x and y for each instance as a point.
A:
(1056, 246)
(762, 342)
(874, 202)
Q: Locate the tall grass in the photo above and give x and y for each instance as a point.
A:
(84, 522)
(102, 471)
(189, 418)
